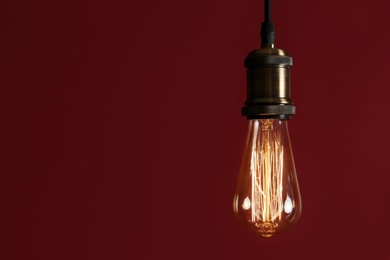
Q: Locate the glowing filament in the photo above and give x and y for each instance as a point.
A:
(267, 175)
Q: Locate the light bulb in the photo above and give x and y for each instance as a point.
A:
(267, 199)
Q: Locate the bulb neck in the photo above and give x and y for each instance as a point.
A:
(268, 84)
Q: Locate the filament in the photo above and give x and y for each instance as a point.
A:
(267, 176)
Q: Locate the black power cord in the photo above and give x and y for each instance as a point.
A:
(267, 27)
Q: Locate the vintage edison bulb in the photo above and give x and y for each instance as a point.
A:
(267, 199)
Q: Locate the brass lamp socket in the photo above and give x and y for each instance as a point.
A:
(268, 84)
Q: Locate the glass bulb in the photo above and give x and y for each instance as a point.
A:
(267, 199)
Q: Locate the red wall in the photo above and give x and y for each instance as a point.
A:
(121, 133)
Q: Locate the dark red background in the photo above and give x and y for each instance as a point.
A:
(121, 133)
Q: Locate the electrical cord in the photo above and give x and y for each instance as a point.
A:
(267, 27)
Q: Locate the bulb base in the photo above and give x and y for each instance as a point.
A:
(268, 84)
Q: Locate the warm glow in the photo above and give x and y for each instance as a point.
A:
(267, 182)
